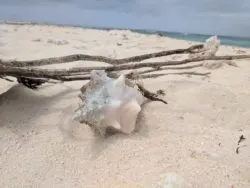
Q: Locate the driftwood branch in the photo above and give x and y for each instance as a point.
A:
(111, 61)
(28, 73)
(58, 74)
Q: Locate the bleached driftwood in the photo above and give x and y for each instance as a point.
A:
(111, 61)
(25, 69)
(63, 74)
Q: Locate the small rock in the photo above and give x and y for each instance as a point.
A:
(37, 40)
(58, 42)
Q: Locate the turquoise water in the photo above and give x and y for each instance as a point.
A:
(225, 40)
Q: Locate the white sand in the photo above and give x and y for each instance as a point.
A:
(195, 136)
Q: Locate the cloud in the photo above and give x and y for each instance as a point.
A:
(195, 6)
(228, 17)
(162, 6)
(154, 7)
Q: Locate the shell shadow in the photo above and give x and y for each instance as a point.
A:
(96, 143)
(99, 144)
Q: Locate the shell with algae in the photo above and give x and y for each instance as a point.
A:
(109, 103)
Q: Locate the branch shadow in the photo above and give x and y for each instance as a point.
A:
(20, 106)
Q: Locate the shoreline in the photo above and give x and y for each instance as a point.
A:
(139, 31)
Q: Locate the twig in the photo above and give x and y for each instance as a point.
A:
(241, 139)
(167, 63)
(170, 68)
(151, 70)
(174, 73)
(78, 57)
(149, 95)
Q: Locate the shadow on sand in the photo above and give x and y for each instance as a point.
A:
(21, 106)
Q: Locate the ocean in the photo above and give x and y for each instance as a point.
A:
(243, 42)
(225, 40)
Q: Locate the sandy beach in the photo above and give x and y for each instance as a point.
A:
(191, 141)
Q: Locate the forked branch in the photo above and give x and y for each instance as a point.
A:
(57, 74)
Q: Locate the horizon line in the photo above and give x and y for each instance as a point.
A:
(10, 22)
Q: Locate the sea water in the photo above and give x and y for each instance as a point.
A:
(225, 40)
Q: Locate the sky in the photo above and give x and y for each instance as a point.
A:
(222, 17)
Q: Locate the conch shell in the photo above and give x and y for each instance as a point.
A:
(210, 48)
(109, 103)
